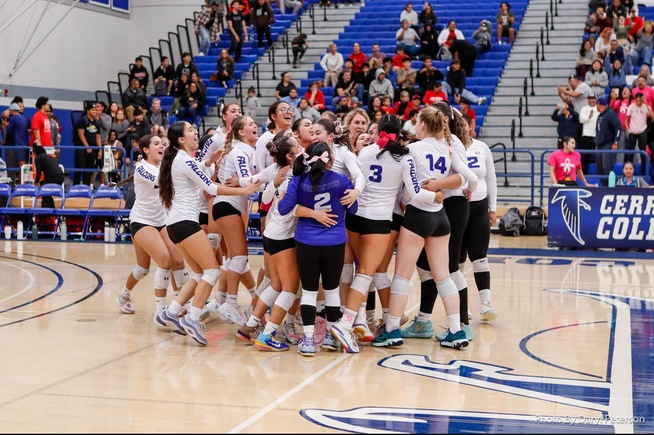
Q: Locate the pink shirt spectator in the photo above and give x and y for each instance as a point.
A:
(637, 118)
(620, 107)
(565, 165)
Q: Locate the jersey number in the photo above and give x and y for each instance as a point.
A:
(439, 164)
(322, 202)
(376, 175)
(473, 162)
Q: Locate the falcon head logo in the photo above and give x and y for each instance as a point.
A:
(571, 204)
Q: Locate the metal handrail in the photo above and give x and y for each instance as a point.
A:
(501, 159)
(529, 174)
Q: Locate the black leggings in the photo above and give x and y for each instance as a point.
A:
(458, 212)
(316, 261)
(477, 233)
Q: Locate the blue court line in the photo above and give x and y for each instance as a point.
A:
(60, 282)
(588, 253)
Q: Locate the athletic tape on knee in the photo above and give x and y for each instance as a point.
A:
(480, 265)
(269, 296)
(347, 274)
(161, 278)
(214, 239)
(140, 272)
(447, 288)
(226, 263)
(424, 275)
(181, 277)
(197, 277)
(400, 286)
(285, 300)
(459, 280)
(309, 298)
(238, 264)
(211, 276)
(333, 298)
(381, 281)
(361, 283)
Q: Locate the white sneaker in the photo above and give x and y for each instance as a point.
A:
(231, 314)
(486, 312)
(125, 304)
(482, 101)
(212, 306)
(157, 311)
(200, 54)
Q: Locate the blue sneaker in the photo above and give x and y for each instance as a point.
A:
(345, 337)
(269, 343)
(467, 329)
(457, 340)
(171, 322)
(194, 328)
(306, 346)
(418, 329)
(330, 342)
(388, 339)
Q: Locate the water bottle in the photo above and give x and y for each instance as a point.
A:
(611, 179)
(19, 230)
(106, 231)
(35, 229)
(63, 230)
(7, 232)
(112, 234)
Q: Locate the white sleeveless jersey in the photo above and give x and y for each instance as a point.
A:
(238, 162)
(189, 178)
(213, 144)
(262, 157)
(280, 227)
(384, 177)
(481, 162)
(436, 159)
(460, 149)
(147, 208)
(345, 162)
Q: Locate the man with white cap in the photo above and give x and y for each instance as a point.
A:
(588, 120)
(18, 135)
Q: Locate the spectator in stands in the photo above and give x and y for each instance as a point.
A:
(190, 104)
(387, 105)
(482, 37)
(134, 98)
(304, 110)
(505, 19)
(40, 126)
(398, 59)
(262, 17)
(315, 97)
(449, 34)
(597, 78)
(408, 38)
(565, 165)
(428, 41)
(195, 78)
(113, 108)
(158, 119)
(164, 77)
(591, 28)
(225, 67)
(138, 71)
(585, 58)
(402, 103)
(621, 29)
(119, 155)
(180, 87)
(628, 179)
(645, 73)
(376, 54)
(410, 16)
(104, 120)
(594, 4)
(345, 86)
(603, 21)
(4, 122)
(186, 66)
(138, 128)
(363, 78)
(576, 93)
(358, 58)
(389, 70)
(207, 26)
(296, 5)
(456, 84)
(607, 137)
(299, 46)
(435, 94)
(472, 116)
(428, 75)
(617, 52)
(120, 124)
(238, 31)
(245, 7)
(642, 51)
(55, 129)
(588, 120)
(344, 106)
(332, 63)
(381, 85)
(47, 171)
(374, 105)
(410, 125)
(568, 123)
(86, 134)
(18, 135)
(603, 42)
(427, 15)
(348, 65)
(616, 10)
(638, 23)
(252, 104)
(638, 115)
(643, 86)
(284, 86)
(617, 75)
(292, 99)
(466, 53)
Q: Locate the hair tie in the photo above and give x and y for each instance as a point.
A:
(324, 157)
(338, 129)
(384, 138)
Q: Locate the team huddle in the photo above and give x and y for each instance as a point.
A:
(336, 201)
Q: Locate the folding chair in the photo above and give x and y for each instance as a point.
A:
(46, 217)
(17, 209)
(104, 207)
(5, 194)
(73, 210)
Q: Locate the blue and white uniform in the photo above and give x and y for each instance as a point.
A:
(238, 162)
(147, 208)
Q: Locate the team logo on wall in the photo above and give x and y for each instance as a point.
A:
(571, 204)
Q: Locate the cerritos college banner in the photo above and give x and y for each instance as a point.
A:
(601, 217)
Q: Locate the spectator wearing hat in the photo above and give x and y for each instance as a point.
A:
(17, 135)
(482, 37)
(607, 137)
(407, 37)
(568, 123)
(381, 85)
(576, 93)
(428, 41)
(87, 134)
(415, 105)
(588, 120)
(636, 126)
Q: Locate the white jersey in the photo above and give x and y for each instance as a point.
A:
(213, 144)
(279, 227)
(436, 159)
(189, 178)
(384, 177)
(147, 208)
(238, 163)
(460, 149)
(480, 161)
(262, 157)
(345, 162)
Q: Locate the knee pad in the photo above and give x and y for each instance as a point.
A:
(140, 272)
(332, 297)
(197, 277)
(285, 300)
(211, 276)
(265, 282)
(424, 275)
(447, 288)
(361, 283)
(161, 278)
(381, 281)
(459, 280)
(400, 286)
(309, 298)
(238, 264)
(269, 296)
(226, 263)
(480, 265)
(214, 239)
(181, 277)
(347, 274)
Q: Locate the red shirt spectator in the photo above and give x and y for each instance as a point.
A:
(358, 57)
(316, 99)
(40, 125)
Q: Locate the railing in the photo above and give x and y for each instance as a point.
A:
(530, 175)
(501, 159)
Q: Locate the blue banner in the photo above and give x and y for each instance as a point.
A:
(601, 217)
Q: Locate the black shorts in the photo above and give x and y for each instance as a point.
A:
(203, 218)
(273, 246)
(426, 223)
(179, 231)
(134, 227)
(222, 209)
(361, 225)
(505, 31)
(397, 222)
